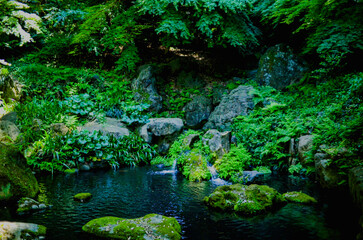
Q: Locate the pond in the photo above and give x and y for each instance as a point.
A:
(135, 192)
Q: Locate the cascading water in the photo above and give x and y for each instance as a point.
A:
(173, 169)
(215, 179)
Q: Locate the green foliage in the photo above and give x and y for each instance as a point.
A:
(16, 21)
(167, 162)
(82, 106)
(217, 23)
(131, 113)
(232, 164)
(62, 152)
(333, 28)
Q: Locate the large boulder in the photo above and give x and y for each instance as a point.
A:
(10, 116)
(20, 231)
(16, 179)
(305, 145)
(151, 226)
(327, 174)
(218, 142)
(145, 90)
(279, 67)
(246, 200)
(161, 131)
(9, 132)
(238, 102)
(111, 126)
(197, 112)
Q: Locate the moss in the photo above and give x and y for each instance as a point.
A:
(152, 226)
(70, 171)
(16, 180)
(298, 197)
(82, 197)
(195, 167)
(246, 200)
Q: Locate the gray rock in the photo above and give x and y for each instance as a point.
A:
(145, 90)
(279, 67)
(190, 140)
(161, 131)
(110, 127)
(11, 88)
(218, 94)
(19, 231)
(59, 128)
(197, 112)
(11, 117)
(305, 145)
(238, 102)
(253, 177)
(9, 132)
(218, 142)
(84, 168)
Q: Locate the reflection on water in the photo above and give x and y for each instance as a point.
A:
(135, 192)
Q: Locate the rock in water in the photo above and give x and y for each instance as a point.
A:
(27, 205)
(299, 197)
(16, 179)
(145, 90)
(82, 197)
(279, 67)
(20, 231)
(246, 200)
(111, 126)
(151, 226)
(238, 102)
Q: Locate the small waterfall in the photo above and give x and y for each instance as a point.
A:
(215, 179)
(174, 165)
(173, 169)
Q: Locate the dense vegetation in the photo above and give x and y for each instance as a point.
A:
(76, 60)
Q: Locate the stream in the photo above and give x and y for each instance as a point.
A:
(135, 192)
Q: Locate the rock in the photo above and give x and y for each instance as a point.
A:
(217, 95)
(111, 127)
(59, 128)
(82, 197)
(190, 140)
(20, 231)
(218, 142)
(253, 176)
(356, 191)
(161, 131)
(164, 126)
(11, 117)
(27, 205)
(145, 90)
(246, 200)
(9, 132)
(195, 166)
(326, 173)
(299, 197)
(238, 102)
(305, 145)
(84, 168)
(16, 179)
(11, 88)
(151, 226)
(197, 112)
(279, 67)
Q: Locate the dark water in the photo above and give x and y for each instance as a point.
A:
(135, 192)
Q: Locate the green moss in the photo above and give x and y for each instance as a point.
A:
(82, 197)
(16, 180)
(246, 200)
(298, 197)
(152, 226)
(162, 160)
(70, 170)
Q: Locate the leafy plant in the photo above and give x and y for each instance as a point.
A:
(82, 106)
(130, 113)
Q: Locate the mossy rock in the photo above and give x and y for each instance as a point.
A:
(18, 230)
(151, 226)
(246, 200)
(16, 179)
(82, 197)
(27, 205)
(195, 166)
(299, 197)
(71, 171)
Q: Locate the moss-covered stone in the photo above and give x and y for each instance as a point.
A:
(27, 205)
(82, 197)
(194, 166)
(16, 179)
(151, 226)
(18, 230)
(246, 200)
(71, 171)
(299, 197)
